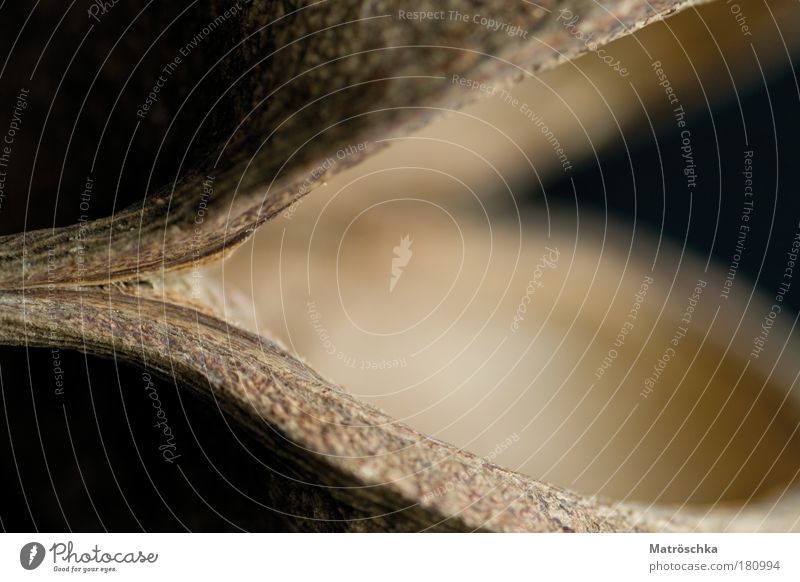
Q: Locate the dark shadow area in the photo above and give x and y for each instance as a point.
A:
(110, 104)
(649, 189)
(92, 458)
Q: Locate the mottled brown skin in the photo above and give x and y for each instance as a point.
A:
(354, 467)
(289, 104)
(362, 463)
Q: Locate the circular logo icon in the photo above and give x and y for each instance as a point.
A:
(31, 555)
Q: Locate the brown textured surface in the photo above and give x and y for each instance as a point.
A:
(289, 104)
(353, 464)
(356, 460)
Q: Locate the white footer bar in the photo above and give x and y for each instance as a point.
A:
(370, 557)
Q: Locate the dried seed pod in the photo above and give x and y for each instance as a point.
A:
(297, 84)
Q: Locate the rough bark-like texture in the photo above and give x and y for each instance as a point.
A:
(298, 83)
(352, 461)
